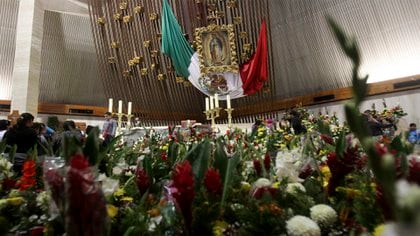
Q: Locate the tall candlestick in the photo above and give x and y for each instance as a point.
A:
(129, 108)
(110, 101)
(211, 103)
(207, 104)
(216, 100)
(120, 106)
(228, 101)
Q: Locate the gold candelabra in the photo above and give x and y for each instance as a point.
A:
(229, 112)
(212, 114)
(119, 121)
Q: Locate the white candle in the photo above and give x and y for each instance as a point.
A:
(216, 100)
(110, 101)
(130, 104)
(211, 103)
(120, 106)
(207, 104)
(228, 101)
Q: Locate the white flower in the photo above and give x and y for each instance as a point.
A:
(109, 185)
(302, 226)
(286, 167)
(293, 188)
(5, 168)
(262, 182)
(43, 200)
(323, 215)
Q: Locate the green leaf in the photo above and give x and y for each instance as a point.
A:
(230, 170)
(172, 153)
(220, 159)
(324, 128)
(201, 163)
(341, 144)
(91, 149)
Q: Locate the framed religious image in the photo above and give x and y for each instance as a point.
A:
(216, 49)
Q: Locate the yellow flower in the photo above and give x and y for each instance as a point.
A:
(127, 199)
(350, 193)
(15, 201)
(165, 147)
(219, 227)
(379, 230)
(112, 210)
(326, 173)
(245, 186)
(275, 185)
(120, 192)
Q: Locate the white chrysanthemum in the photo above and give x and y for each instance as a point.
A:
(302, 226)
(323, 215)
(5, 168)
(294, 188)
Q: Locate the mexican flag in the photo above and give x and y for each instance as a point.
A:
(250, 79)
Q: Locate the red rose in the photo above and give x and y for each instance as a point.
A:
(212, 181)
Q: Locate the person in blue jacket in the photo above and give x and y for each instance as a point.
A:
(413, 134)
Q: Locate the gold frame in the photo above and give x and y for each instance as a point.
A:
(226, 60)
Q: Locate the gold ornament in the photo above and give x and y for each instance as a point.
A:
(115, 45)
(247, 47)
(153, 16)
(127, 19)
(179, 79)
(127, 73)
(112, 60)
(101, 20)
(146, 43)
(187, 83)
(137, 60)
(152, 66)
(131, 63)
(232, 4)
(123, 5)
(243, 34)
(237, 20)
(161, 77)
(138, 9)
(154, 53)
(117, 16)
(143, 71)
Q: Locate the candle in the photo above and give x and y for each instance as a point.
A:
(120, 106)
(211, 103)
(207, 104)
(129, 108)
(110, 101)
(216, 100)
(228, 101)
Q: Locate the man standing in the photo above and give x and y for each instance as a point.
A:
(109, 129)
(413, 134)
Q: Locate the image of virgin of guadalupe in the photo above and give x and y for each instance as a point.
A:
(216, 51)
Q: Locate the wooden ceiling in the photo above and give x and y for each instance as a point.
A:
(127, 38)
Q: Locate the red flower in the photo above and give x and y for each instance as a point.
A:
(28, 178)
(8, 184)
(37, 231)
(260, 192)
(164, 156)
(142, 180)
(267, 161)
(327, 139)
(212, 181)
(79, 162)
(305, 172)
(257, 166)
(56, 183)
(183, 182)
(86, 211)
(414, 171)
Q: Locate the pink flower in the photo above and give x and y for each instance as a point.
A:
(212, 181)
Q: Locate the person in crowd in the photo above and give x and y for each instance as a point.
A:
(43, 144)
(413, 134)
(24, 137)
(109, 129)
(374, 126)
(4, 126)
(296, 123)
(70, 130)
